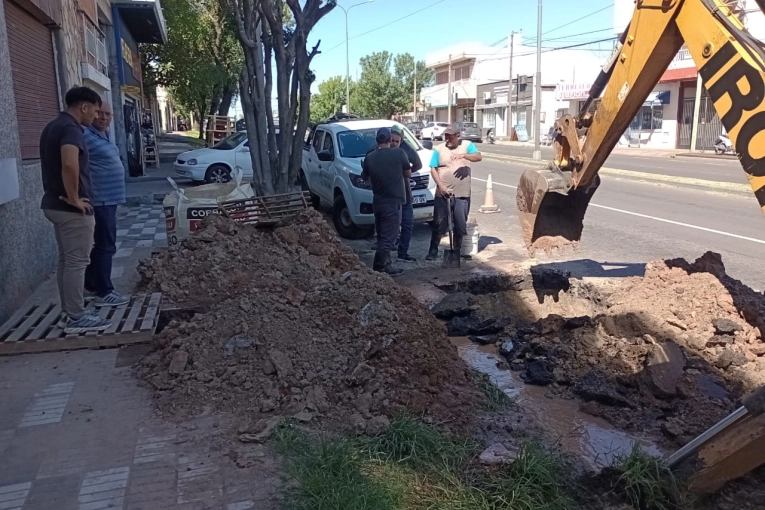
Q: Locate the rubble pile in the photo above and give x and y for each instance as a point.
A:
(296, 326)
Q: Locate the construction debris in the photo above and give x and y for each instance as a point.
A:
(293, 325)
(669, 353)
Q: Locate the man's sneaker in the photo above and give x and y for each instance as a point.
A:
(89, 296)
(85, 324)
(406, 258)
(112, 299)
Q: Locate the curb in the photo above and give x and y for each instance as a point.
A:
(729, 188)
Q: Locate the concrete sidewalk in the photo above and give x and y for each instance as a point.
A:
(79, 432)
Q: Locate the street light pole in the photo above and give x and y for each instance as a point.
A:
(347, 58)
(537, 155)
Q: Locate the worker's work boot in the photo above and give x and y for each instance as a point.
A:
(435, 240)
(379, 263)
(389, 269)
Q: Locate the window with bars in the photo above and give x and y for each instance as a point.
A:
(648, 118)
(95, 47)
(489, 118)
(442, 77)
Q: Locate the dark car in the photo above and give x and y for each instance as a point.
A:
(470, 131)
(416, 129)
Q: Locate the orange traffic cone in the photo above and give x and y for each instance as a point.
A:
(488, 204)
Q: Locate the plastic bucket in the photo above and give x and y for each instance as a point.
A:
(470, 241)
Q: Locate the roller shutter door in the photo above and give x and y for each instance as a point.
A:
(34, 76)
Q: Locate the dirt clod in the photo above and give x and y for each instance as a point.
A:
(295, 326)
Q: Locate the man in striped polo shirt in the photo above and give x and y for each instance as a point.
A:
(108, 191)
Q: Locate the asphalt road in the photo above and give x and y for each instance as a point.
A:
(721, 169)
(630, 223)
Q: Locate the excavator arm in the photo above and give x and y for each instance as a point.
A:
(552, 202)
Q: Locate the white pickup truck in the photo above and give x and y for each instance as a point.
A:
(331, 171)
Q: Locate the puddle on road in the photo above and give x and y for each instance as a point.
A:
(593, 439)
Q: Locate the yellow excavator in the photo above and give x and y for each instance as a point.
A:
(552, 202)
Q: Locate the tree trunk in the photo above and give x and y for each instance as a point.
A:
(226, 98)
(201, 124)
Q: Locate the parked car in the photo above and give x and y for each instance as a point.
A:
(433, 131)
(416, 129)
(331, 172)
(215, 164)
(469, 131)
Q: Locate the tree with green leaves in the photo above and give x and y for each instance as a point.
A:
(330, 99)
(277, 59)
(387, 83)
(202, 60)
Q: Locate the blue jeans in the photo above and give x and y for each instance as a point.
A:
(407, 224)
(98, 275)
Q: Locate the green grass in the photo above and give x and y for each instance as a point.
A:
(329, 474)
(414, 466)
(193, 135)
(496, 399)
(646, 482)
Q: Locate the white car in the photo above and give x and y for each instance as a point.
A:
(215, 164)
(331, 171)
(434, 131)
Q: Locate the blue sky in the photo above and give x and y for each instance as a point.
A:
(446, 23)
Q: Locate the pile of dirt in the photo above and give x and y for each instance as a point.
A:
(297, 326)
(671, 352)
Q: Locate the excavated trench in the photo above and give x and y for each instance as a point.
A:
(500, 304)
(597, 375)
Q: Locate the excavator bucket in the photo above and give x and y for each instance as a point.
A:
(551, 212)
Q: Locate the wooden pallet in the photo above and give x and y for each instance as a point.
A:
(266, 211)
(35, 328)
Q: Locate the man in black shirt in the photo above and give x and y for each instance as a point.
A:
(386, 168)
(66, 203)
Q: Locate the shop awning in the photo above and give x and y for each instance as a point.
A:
(144, 19)
(657, 98)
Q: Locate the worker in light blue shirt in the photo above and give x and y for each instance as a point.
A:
(450, 169)
(108, 191)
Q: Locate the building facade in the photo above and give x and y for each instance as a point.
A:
(47, 47)
(475, 67)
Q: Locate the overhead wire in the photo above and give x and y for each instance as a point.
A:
(569, 23)
(386, 24)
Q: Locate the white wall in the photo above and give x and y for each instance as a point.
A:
(493, 65)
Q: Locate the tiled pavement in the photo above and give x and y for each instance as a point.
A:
(79, 432)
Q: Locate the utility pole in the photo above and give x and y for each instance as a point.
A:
(449, 92)
(347, 57)
(538, 87)
(509, 131)
(696, 110)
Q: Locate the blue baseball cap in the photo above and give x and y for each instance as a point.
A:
(383, 135)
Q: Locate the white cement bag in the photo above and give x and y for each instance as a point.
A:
(186, 208)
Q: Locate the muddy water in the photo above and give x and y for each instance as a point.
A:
(593, 439)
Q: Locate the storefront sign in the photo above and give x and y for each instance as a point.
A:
(523, 135)
(127, 55)
(569, 91)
